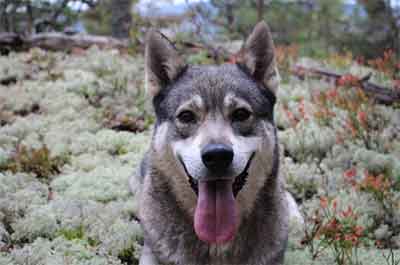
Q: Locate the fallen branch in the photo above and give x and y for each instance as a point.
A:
(57, 42)
(218, 54)
(381, 94)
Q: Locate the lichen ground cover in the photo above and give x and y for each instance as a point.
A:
(73, 130)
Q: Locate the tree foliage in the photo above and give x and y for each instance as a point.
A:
(366, 28)
(381, 27)
(34, 16)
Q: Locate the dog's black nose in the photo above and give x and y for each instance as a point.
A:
(217, 157)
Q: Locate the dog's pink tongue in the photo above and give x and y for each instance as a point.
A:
(215, 215)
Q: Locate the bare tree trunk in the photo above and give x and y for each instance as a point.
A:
(29, 12)
(229, 16)
(121, 18)
(260, 10)
(3, 16)
(12, 18)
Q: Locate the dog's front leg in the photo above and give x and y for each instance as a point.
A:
(147, 257)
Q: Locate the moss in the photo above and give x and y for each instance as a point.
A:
(103, 184)
(5, 259)
(19, 193)
(60, 251)
(38, 223)
(377, 163)
(303, 179)
(107, 229)
(72, 234)
(93, 242)
(78, 233)
(200, 58)
(79, 211)
(12, 67)
(4, 159)
(307, 141)
(128, 256)
(48, 204)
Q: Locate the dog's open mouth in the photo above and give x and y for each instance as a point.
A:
(215, 218)
(237, 184)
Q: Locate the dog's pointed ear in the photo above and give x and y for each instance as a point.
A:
(163, 63)
(258, 57)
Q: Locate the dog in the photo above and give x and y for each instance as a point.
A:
(211, 192)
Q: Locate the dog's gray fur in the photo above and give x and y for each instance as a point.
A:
(167, 201)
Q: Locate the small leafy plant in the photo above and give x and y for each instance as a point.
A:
(37, 161)
(334, 230)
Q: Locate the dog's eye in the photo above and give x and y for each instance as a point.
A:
(186, 116)
(241, 114)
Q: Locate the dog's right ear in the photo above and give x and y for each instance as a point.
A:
(163, 63)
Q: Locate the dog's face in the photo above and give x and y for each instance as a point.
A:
(214, 139)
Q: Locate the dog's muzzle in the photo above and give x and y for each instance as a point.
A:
(216, 213)
(239, 180)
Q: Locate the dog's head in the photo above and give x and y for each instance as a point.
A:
(214, 137)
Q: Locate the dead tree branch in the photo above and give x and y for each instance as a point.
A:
(57, 42)
(218, 53)
(381, 94)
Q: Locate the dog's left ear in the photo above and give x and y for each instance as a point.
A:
(163, 63)
(258, 57)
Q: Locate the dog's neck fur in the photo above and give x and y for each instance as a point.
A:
(260, 226)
